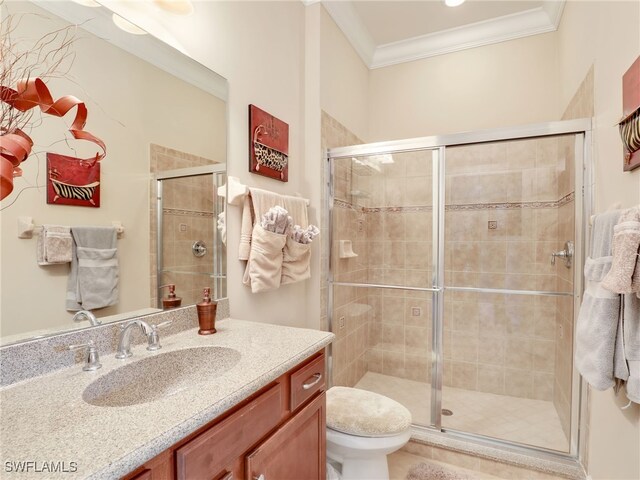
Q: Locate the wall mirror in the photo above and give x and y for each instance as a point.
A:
(163, 118)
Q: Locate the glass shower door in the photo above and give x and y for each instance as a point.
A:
(508, 311)
(382, 267)
(191, 253)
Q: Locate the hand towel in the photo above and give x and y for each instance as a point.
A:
(54, 245)
(264, 268)
(599, 315)
(277, 220)
(257, 203)
(93, 280)
(623, 278)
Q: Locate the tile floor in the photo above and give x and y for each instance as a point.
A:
(532, 422)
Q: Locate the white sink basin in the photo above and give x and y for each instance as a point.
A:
(161, 375)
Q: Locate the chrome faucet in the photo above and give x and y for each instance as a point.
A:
(124, 345)
(150, 331)
(86, 315)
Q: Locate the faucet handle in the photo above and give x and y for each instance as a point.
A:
(93, 359)
(166, 323)
(154, 338)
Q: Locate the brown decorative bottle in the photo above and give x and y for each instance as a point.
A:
(171, 300)
(207, 313)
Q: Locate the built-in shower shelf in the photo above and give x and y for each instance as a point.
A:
(346, 249)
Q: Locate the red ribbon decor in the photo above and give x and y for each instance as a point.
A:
(16, 146)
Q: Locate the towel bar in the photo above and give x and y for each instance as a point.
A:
(26, 227)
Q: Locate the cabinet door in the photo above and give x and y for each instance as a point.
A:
(296, 451)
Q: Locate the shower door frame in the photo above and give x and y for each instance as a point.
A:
(218, 172)
(583, 171)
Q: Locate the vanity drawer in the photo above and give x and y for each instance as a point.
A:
(208, 454)
(306, 381)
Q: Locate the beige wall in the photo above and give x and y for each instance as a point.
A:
(505, 84)
(604, 36)
(260, 48)
(131, 104)
(344, 86)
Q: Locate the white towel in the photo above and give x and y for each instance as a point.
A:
(600, 310)
(264, 268)
(54, 245)
(257, 203)
(93, 280)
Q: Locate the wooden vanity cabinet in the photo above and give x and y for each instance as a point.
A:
(279, 432)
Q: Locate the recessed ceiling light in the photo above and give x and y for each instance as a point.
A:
(127, 26)
(177, 7)
(453, 3)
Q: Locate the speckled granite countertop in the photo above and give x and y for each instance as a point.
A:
(45, 420)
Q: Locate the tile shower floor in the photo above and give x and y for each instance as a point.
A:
(532, 422)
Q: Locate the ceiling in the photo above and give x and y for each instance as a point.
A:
(391, 32)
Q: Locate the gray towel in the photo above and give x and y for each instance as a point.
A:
(599, 316)
(631, 327)
(93, 280)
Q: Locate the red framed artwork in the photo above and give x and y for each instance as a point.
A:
(630, 123)
(268, 145)
(72, 181)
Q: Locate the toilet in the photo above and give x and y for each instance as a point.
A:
(362, 429)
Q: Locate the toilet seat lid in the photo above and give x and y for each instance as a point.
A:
(366, 414)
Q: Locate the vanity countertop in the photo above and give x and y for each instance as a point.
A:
(46, 422)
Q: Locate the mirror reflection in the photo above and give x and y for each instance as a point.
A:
(162, 118)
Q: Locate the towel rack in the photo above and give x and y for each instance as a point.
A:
(615, 206)
(238, 191)
(26, 227)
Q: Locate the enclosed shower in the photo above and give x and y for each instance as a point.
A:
(186, 214)
(455, 266)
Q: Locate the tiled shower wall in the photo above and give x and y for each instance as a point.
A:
(188, 216)
(351, 317)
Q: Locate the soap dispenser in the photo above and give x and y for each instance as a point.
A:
(207, 313)
(171, 300)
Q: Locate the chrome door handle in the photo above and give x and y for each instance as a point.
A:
(260, 477)
(308, 384)
(228, 476)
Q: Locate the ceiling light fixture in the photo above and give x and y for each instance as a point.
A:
(453, 3)
(127, 26)
(176, 7)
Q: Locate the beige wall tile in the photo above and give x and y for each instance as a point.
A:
(491, 379)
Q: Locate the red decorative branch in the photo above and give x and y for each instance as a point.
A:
(15, 146)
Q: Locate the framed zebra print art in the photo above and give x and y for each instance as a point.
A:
(629, 126)
(73, 181)
(268, 145)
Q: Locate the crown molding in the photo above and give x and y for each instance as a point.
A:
(543, 19)
(352, 27)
